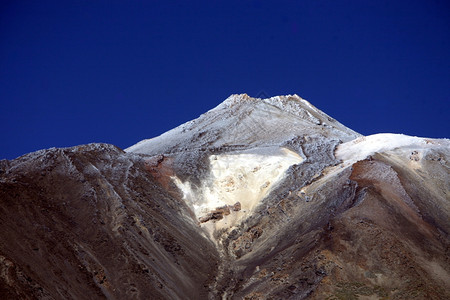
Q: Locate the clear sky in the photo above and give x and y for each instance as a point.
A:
(75, 72)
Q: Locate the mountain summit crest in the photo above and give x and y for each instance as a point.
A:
(255, 199)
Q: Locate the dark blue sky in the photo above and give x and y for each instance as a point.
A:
(75, 72)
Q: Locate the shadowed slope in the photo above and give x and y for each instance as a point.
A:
(90, 222)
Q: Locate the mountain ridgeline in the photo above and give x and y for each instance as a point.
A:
(255, 199)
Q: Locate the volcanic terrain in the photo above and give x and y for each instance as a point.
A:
(255, 199)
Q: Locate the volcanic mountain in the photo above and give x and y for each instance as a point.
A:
(255, 199)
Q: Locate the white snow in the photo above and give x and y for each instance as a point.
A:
(245, 177)
(362, 147)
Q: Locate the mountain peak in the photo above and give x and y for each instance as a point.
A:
(243, 121)
(238, 152)
(256, 198)
(245, 98)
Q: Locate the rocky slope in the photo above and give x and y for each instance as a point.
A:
(255, 199)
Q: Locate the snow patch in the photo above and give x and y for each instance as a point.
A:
(362, 147)
(245, 177)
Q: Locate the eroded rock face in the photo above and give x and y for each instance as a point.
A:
(256, 199)
(91, 222)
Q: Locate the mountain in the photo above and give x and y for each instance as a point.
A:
(255, 199)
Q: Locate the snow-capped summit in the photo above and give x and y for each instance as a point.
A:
(245, 122)
(255, 199)
(245, 145)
